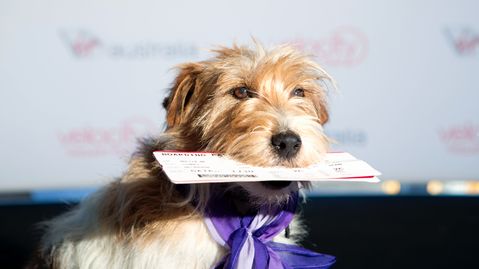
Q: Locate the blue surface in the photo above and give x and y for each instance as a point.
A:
(46, 196)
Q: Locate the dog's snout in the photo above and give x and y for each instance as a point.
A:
(286, 144)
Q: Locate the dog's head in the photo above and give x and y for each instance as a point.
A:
(260, 107)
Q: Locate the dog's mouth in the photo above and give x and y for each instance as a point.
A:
(276, 185)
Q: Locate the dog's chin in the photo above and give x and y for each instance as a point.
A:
(270, 192)
(276, 185)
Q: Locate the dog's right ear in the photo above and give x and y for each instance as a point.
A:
(176, 104)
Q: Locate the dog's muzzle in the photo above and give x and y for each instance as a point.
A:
(286, 144)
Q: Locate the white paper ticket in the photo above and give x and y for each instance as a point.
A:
(203, 167)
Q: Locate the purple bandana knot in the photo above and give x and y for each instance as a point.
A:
(248, 238)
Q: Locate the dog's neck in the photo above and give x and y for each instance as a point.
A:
(242, 203)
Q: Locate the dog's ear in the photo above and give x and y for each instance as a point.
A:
(324, 80)
(321, 109)
(176, 104)
(323, 112)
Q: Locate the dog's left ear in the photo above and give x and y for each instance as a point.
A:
(321, 108)
(176, 104)
(320, 96)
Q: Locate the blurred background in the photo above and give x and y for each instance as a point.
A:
(80, 81)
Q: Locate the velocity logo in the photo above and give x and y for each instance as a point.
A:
(345, 46)
(95, 141)
(86, 45)
(348, 137)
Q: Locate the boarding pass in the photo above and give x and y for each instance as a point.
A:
(204, 167)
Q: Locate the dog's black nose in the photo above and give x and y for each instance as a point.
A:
(286, 144)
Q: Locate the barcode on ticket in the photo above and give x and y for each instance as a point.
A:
(226, 175)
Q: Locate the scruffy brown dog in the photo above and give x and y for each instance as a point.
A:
(261, 107)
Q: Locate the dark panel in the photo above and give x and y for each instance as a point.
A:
(362, 232)
(19, 231)
(395, 232)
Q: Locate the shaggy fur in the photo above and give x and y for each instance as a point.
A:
(233, 103)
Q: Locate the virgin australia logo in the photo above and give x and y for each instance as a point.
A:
(81, 43)
(461, 138)
(85, 44)
(465, 41)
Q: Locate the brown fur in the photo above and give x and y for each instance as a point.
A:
(203, 115)
(194, 124)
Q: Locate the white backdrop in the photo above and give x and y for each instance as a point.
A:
(80, 80)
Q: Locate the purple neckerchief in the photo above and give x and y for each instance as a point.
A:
(248, 238)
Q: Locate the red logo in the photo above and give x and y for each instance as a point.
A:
(81, 43)
(101, 141)
(461, 139)
(465, 41)
(84, 44)
(345, 46)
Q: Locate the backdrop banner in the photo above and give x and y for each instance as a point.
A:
(81, 81)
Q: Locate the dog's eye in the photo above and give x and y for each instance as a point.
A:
(241, 93)
(298, 92)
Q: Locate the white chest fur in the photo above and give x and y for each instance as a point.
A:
(79, 243)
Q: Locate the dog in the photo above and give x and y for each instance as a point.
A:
(263, 107)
